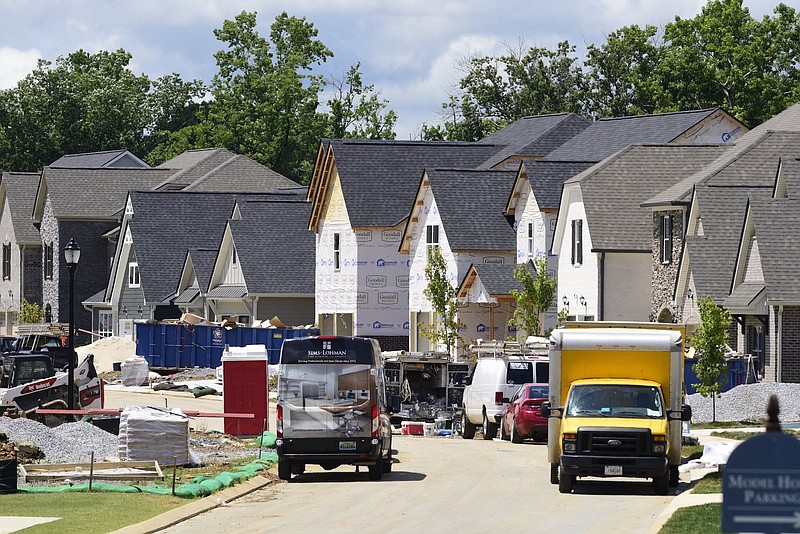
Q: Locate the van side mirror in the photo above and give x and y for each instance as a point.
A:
(684, 414)
(547, 410)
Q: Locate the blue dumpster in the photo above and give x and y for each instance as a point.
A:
(183, 345)
(737, 374)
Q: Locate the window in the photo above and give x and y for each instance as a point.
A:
(577, 242)
(431, 238)
(234, 259)
(665, 236)
(530, 240)
(133, 275)
(104, 323)
(48, 261)
(6, 261)
(337, 252)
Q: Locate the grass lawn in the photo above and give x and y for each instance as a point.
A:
(701, 519)
(87, 513)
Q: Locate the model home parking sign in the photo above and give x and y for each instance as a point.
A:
(761, 485)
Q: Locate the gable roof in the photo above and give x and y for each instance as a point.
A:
(497, 279)
(614, 189)
(790, 168)
(20, 190)
(547, 178)
(276, 251)
(106, 158)
(203, 260)
(712, 256)
(753, 161)
(776, 228)
(91, 193)
(379, 178)
(534, 136)
(165, 225)
(607, 136)
(471, 205)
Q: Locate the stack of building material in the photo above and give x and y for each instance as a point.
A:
(154, 434)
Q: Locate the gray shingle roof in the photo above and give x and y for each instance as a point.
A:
(380, 178)
(498, 279)
(753, 161)
(240, 173)
(203, 260)
(471, 204)
(95, 193)
(777, 225)
(192, 165)
(744, 295)
(276, 251)
(791, 176)
(534, 136)
(606, 136)
(547, 178)
(100, 159)
(166, 225)
(21, 190)
(614, 189)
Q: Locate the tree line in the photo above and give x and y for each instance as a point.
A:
(268, 101)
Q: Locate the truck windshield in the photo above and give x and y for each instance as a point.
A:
(606, 400)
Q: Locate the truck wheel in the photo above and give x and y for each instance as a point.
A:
(674, 477)
(489, 429)
(376, 470)
(298, 469)
(565, 481)
(553, 473)
(467, 428)
(284, 469)
(515, 437)
(661, 484)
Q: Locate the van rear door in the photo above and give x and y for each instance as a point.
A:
(327, 388)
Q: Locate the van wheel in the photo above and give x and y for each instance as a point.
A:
(284, 469)
(467, 428)
(515, 437)
(553, 473)
(298, 469)
(565, 481)
(489, 429)
(376, 470)
(661, 484)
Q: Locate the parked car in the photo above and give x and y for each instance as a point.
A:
(522, 418)
(492, 382)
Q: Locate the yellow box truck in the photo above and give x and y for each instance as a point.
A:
(615, 403)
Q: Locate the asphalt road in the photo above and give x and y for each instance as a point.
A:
(440, 485)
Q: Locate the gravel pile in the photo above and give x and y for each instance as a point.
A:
(68, 443)
(747, 402)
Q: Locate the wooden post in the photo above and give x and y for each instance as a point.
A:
(261, 438)
(91, 472)
(174, 472)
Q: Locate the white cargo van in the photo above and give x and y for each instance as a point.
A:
(332, 406)
(494, 379)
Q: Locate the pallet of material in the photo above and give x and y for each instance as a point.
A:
(101, 470)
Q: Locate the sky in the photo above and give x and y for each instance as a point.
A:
(408, 49)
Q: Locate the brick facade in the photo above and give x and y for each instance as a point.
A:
(665, 275)
(392, 342)
(790, 345)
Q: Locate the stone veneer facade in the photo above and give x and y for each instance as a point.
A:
(665, 275)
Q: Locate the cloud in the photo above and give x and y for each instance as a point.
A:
(16, 64)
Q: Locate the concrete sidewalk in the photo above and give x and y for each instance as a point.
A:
(193, 508)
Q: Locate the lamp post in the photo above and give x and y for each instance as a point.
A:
(72, 253)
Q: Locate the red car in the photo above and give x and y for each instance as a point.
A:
(522, 418)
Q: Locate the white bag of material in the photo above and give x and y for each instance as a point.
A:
(135, 371)
(715, 453)
(147, 434)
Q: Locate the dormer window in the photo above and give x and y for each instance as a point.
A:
(133, 275)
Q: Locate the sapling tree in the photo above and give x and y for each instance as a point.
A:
(535, 298)
(442, 296)
(710, 342)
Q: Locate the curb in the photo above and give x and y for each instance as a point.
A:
(197, 507)
(681, 501)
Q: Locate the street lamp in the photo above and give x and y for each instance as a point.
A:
(72, 253)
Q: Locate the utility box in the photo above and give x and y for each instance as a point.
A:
(245, 389)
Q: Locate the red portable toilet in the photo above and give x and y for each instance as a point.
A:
(245, 389)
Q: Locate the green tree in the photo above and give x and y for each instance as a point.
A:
(620, 76)
(535, 298)
(265, 94)
(724, 57)
(356, 110)
(496, 91)
(30, 312)
(442, 296)
(710, 341)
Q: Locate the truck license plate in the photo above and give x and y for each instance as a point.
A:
(613, 470)
(351, 446)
